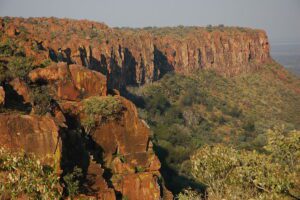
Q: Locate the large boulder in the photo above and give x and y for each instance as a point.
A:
(33, 134)
(2, 96)
(127, 134)
(90, 83)
(72, 83)
(137, 186)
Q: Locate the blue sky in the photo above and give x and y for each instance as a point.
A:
(280, 18)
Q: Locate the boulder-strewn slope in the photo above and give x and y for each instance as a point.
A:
(138, 56)
(115, 156)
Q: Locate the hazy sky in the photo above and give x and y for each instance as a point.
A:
(280, 18)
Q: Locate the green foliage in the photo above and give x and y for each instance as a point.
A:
(41, 99)
(10, 48)
(6, 49)
(20, 67)
(72, 182)
(99, 109)
(233, 174)
(186, 112)
(53, 35)
(140, 169)
(23, 175)
(17, 67)
(3, 72)
(188, 195)
(45, 63)
(284, 148)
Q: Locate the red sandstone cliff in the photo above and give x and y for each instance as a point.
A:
(127, 165)
(137, 56)
(116, 157)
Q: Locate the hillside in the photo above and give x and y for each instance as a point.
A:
(188, 112)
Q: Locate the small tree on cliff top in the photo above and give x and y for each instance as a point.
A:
(99, 109)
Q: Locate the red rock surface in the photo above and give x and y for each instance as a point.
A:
(72, 82)
(127, 154)
(21, 88)
(130, 57)
(2, 96)
(33, 134)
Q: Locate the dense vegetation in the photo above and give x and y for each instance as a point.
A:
(23, 176)
(186, 113)
(240, 174)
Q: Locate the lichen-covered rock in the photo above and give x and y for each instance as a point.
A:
(2, 96)
(33, 134)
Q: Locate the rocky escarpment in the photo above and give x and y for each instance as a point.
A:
(138, 56)
(115, 155)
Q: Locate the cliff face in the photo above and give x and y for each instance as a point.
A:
(79, 60)
(138, 56)
(116, 155)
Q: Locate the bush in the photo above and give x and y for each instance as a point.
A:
(72, 182)
(6, 50)
(20, 67)
(233, 174)
(188, 195)
(40, 99)
(99, 109)
(3, 72)
(23, 175)
(157, 104)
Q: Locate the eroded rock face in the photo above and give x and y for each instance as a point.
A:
(134, 57)
(126, 153)
(2, 96)
(72, 82)
(21, 88)
(125, 143)
(33, 134)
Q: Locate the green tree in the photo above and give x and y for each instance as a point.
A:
(233, 174)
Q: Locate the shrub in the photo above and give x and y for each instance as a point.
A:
(233, 174)
(72, 182)
(6, 50)
(3, 72)
(188, 194)
(41, 99)
(99, 109)
(24, 175)
(20, 67)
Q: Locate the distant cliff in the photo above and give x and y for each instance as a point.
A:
(138, 56)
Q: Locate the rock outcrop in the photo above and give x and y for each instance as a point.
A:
(72, 82)
(21, 88)
(33, 134)
(138, 56)
(116, 157)
(127, 154)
